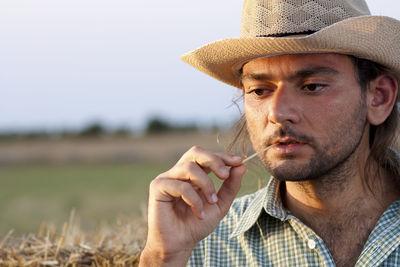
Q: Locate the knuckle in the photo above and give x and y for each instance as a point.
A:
(196, 149)
(155, 182)
(190, 154)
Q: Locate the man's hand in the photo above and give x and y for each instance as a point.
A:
(184, 206)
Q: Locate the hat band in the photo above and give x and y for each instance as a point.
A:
(287, 34)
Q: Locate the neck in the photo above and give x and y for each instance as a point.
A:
(340, 209)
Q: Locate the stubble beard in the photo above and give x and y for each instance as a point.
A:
(336, 158)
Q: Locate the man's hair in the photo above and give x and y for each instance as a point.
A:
(383, 138)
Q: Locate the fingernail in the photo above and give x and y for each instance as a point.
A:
(224, 171)
(214, 198)
(203, 215)
(236, 158)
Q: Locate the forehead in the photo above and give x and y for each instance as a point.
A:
(292, 63)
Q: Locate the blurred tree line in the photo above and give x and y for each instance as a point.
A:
(155, 125)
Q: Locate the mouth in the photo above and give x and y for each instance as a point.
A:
(287, 142)
(288, 146)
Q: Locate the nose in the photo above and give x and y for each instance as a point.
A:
(282, 106)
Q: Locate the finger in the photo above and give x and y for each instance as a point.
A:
(190, 171)
(168, 190)
(229, 159)
(209, 161)
(230, 188)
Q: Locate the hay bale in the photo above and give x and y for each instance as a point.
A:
(118, 245)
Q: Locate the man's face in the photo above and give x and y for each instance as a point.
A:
(310, 105)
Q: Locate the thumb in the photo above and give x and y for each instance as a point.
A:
(230, 187)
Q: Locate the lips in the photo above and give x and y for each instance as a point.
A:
(286, 146)
(287, 141)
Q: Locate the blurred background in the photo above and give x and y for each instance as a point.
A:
(95, 102)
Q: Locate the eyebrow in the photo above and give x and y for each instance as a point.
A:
(301, 74)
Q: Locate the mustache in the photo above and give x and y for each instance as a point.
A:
(287, 132)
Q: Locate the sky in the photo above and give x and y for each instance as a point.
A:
(67, 63)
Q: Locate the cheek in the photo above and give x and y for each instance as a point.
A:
(329, 108)
(256, 119)
(255, 108)
(256, 115)
(338, 110)
(335, 121)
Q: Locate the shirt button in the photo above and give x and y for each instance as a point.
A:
(311, 243)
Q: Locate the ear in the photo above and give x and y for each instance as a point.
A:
(381, 97)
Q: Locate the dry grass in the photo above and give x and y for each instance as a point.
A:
(119, 245)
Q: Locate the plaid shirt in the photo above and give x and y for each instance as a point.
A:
(259, 231)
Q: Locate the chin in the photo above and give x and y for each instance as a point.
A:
(293, 172)
(290, 176)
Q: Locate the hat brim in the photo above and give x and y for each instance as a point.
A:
(376, 38)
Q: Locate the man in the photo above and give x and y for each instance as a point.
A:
(320, 84)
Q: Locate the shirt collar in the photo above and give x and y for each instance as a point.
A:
(268, 199)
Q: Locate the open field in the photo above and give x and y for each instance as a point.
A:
(98, 193)
(30, 195)
(99, 187)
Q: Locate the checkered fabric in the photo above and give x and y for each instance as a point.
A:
(259, 231)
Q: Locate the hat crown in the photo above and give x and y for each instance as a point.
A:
(276, 18)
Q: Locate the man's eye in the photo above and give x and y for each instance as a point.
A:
(313, 87)
(258, 92)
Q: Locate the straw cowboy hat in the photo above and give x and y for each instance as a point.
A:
(276, 27)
